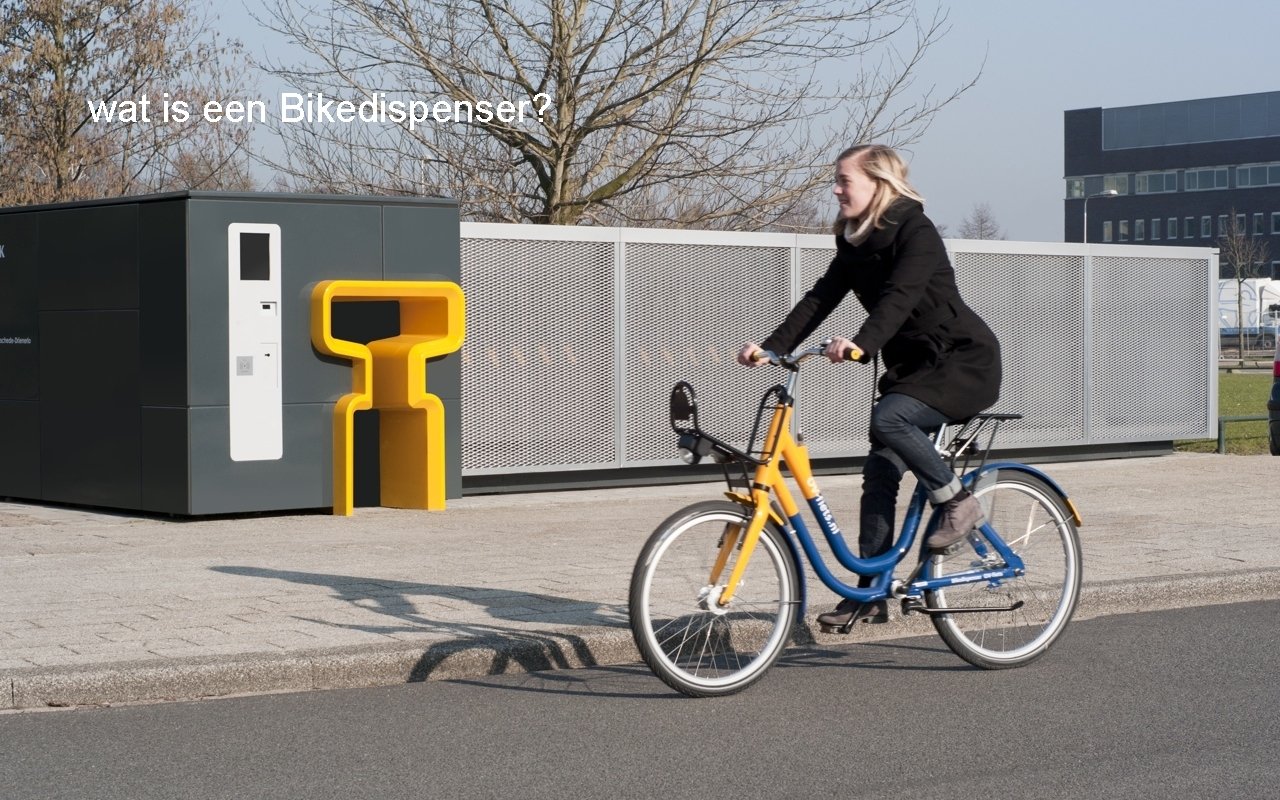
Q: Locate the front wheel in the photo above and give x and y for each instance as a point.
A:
(695, 645)
(1037, 525)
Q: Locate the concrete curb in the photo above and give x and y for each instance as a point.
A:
(338, 668)
(518, 652)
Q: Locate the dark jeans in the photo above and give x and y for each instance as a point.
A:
(901, 439)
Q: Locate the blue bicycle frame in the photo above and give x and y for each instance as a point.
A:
(882, 566)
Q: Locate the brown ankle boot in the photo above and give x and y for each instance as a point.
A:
(960, 515)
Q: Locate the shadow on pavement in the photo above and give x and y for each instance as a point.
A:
(531, 650)
(625, 682)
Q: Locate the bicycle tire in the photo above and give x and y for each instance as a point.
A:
(1037, 525)
(692, 644)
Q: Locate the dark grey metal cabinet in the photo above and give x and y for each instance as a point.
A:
(114, 346)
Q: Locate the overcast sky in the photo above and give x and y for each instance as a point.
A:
(1001, 143)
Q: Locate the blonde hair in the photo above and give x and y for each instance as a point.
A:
(884, 166)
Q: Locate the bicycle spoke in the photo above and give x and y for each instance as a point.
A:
(1026, 537)
(679, 632)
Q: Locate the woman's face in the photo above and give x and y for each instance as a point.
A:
(853, 189)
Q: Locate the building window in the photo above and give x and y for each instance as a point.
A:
(1189, 227)
(1156, 182)
(1257, 225)
(1106, 231)
(1189, 121)
(1117, 183)
(1240, 223)
(1139, 230)
(1124, 230)
(1275, 271)
(1222, 224)
(1092, 185)
(1258, 175)
(1210, 178)
(1155, 230)
(1275, 221)
(1173, 227)
(1206, 227)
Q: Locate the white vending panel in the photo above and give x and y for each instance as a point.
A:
(253, 325)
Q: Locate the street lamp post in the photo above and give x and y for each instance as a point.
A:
(1108, 193)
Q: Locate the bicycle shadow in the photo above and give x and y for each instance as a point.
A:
(626, 682)
(899, 654)
(504, 646)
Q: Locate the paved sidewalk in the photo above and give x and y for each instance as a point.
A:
(101, 608)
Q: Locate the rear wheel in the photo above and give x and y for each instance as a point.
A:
(1037, 525)
(691, 642)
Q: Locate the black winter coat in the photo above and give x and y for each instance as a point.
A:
(934, 347)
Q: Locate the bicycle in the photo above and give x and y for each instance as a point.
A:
(710, 615)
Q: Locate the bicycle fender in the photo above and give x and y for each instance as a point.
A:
(1013, 466)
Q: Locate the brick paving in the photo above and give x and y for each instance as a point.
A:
(99, 607)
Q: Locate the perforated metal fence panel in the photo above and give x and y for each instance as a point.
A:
(689, 308)
(1035, 303)
(1145, 367)
(538, 363)
(576, 336)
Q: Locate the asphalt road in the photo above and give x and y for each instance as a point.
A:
(1178, 704)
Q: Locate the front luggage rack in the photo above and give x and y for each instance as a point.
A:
(695, 443)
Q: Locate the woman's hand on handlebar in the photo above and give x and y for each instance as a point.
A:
(840, 349)
(752, 356)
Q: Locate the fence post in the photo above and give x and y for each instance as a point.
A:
(1222, 428)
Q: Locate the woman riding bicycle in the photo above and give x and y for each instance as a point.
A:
(942, 362)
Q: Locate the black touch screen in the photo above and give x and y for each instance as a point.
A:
(255, 256)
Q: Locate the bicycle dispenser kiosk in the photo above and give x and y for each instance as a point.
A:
(207, 353)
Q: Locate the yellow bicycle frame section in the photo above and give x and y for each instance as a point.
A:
(779, 448)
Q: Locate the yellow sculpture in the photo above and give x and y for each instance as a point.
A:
(391, 376)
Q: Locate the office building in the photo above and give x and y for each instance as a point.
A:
(1179, 170)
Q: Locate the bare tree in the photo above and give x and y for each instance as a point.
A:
(980, 224)
(700, 112)
(1244, 254)
(58, 58)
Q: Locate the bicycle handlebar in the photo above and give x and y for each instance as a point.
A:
(792, 360)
